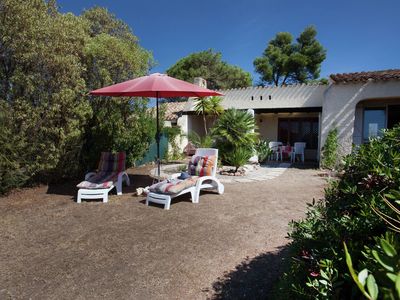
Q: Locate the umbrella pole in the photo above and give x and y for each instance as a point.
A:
(158, 144)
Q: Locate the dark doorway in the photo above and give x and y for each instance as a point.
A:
(292, 130)
(393, 116)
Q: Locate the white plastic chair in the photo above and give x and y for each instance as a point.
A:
(275, 147)
(298, 149)
(204, 182)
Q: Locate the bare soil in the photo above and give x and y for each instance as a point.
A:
(228, 246)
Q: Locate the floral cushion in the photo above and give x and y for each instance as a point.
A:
(173, 186)
(99, 181)
(201, 165)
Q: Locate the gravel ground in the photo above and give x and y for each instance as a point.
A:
(226, 247)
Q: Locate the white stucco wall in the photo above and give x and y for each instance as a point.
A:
(267, 126)
(270, 97)
(339, 108)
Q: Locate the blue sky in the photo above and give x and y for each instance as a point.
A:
(358, 35)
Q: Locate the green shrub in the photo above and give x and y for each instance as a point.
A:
(174, 134)
(51, 129)
(346, 214)
(200, 141)
(238, 157)
(380, 275)
(330, 151)
(234, 130)
(263, 150)
(12, 160)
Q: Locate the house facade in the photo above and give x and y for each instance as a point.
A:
(359, 105)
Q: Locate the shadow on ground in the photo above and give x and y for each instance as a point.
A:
(69, 188)
(252, 279)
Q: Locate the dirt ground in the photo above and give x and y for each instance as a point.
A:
(226, 247)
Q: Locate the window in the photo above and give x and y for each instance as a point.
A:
(374, 122)
(292, 130)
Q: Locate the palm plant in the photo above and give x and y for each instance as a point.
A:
(238, 157)
(200, 142)
(208, 105)
(233, 130)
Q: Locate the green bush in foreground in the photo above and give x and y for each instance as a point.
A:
(318, 268)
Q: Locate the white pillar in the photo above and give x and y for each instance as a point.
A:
(254, 158)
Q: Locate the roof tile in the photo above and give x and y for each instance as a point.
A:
(172, 110)
(393, 74)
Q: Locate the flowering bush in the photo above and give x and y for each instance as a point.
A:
(318, 269)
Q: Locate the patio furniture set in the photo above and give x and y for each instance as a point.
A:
(279, 151)
(201, 175)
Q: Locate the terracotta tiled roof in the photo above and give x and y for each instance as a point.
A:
(173, 109)
(365, 76)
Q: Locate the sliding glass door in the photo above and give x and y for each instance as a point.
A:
(292, 130)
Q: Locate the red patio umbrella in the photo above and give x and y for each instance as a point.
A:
(155, 86)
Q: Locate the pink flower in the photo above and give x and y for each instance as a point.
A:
(314, 274)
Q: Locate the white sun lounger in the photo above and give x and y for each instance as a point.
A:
(203, 182)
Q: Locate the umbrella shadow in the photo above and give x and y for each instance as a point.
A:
(69, 188)
(252, 278)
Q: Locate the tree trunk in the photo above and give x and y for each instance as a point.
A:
(205, 122)
(276, 79)
(284, 80)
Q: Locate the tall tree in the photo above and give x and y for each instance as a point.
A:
(48, 62)
(40, 74)
(113, 55)
(284, 62)
(209, 65)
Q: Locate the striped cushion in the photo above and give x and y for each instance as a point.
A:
(201, 165)
(99, 181)
(110, 162)
(173, 187)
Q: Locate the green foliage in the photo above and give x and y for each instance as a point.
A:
(348, 213)
(381, 273)
(326, 280)
(238, 157)
(208, 106)
(198, 141)
(286, 62)
(263, 150)
(118, 125)
(330, 150)
(113, 55)
(101, 21)
(209, 65)
(41, 78)
(234, 130)
(174, 133)
(12, 159)
(48, 62)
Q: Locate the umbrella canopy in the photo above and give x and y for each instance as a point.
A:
(156, 86)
